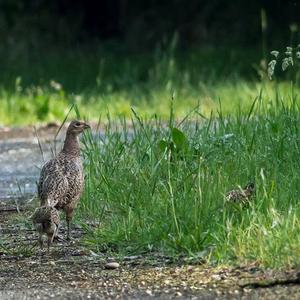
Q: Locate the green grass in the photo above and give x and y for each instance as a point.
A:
(162, 188)
(39, 86)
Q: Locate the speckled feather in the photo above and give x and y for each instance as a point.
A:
(61, 180)
(45, 214)
(241, 195)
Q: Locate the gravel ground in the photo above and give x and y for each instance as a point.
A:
(70, 271)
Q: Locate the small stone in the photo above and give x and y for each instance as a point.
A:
(133, 257)
(216, 277)
(112, 265)
(190, 268)
(79, 253)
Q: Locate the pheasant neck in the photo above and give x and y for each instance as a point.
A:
(71, 145)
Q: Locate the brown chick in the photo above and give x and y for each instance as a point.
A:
(46, 221)
(61, 180)
(241, 195)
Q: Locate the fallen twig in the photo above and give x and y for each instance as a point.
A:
(11, 209)
(271, 283)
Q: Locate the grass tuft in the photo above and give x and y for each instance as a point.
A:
(153, 185)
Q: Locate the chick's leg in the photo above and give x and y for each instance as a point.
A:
(50, 238)
(49, 243)
(41, 240)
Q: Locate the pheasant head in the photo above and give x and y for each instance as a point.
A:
(71, 145)
(76, 127)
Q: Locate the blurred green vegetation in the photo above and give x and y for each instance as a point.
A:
(107, 56)
(39, 86)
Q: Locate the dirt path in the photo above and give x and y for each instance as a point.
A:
(70, 271)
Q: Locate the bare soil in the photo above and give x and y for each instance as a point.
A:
(70, 271)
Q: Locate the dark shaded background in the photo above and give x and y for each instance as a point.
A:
(144, 23)
(120, 50)
(86, 45)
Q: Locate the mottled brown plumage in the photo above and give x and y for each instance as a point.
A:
(61, 180)
(241, 195)
(46, 221)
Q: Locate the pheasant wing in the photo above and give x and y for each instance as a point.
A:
(53, 184)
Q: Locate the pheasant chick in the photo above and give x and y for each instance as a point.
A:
(241, 195)
(46, 221)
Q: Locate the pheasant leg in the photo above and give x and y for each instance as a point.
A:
(69, 214)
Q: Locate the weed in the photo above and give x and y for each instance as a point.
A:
(19, 248)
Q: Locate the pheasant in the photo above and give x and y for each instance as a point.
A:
(241, 195)
(46, 220)
(61, 179)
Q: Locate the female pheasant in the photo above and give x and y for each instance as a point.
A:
(61, 180)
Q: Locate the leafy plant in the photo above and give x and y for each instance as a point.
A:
(177, 146)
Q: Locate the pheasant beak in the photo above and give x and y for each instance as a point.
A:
(86, 126)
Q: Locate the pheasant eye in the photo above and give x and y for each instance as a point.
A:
(77, 124)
